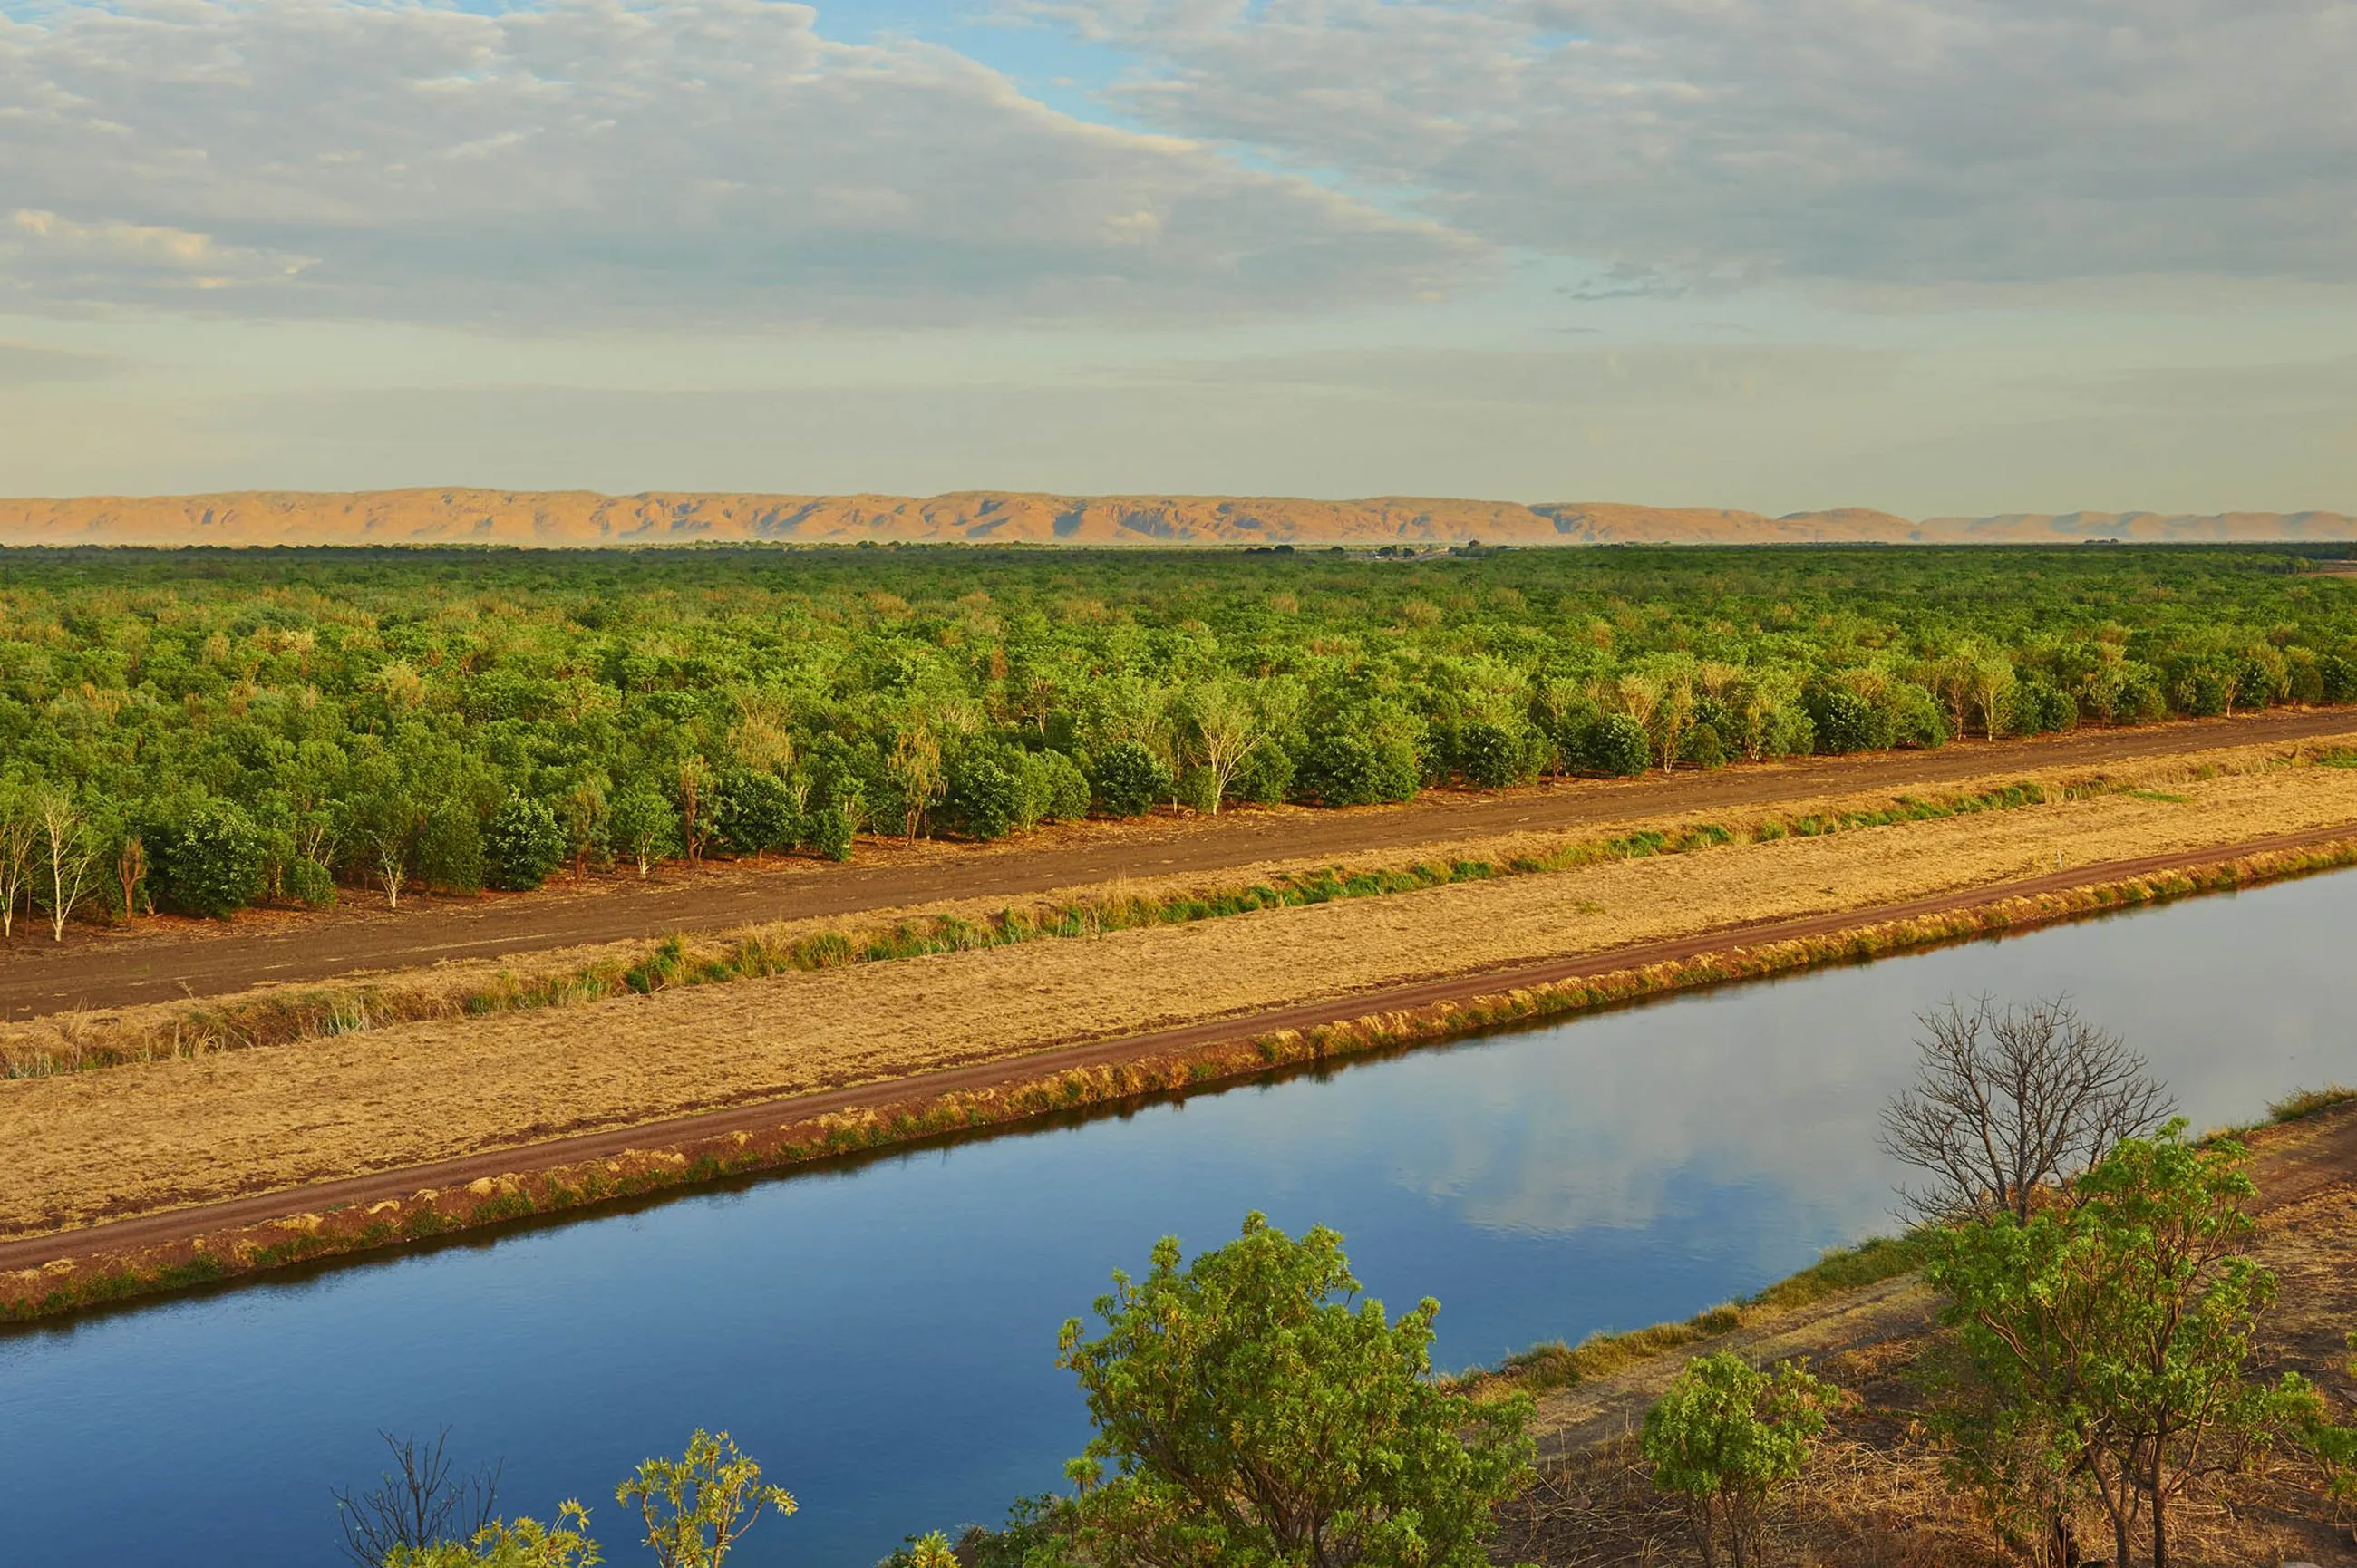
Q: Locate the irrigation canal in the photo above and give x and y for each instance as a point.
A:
(881, 1336)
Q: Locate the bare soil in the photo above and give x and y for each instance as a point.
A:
(159, 960)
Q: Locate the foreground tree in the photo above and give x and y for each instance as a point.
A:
(644, 827)
(917, 773)
(1254, 1413)
(521, 1543)
(2011, 1102)
(698, 1506)
(695, 1508)
(1725, 1437)
(2117, 1333)
(421, 1502)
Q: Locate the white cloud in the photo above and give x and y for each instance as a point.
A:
(590, 162)
(1886, 142)
(44, 253)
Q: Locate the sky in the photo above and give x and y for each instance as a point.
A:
(1938, 257)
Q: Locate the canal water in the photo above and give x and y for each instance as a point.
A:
(881, 1337)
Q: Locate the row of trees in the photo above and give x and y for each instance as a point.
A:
(275, 725)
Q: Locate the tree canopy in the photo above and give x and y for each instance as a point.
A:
(225, 727)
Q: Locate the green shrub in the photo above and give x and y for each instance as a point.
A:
(523, 845)
(449, 852)
(1127, 779)
(1344, 769)
(985, 798)
(1054, 788)
(1725, 1437)
(830, 833)
(1617, 745)
(208, 859)
(2036, 706)
(1702, 747)
(1847, 721)
(756, 814)
(1915, 719)
(311, 884)
(1492, 755)
(1265, 776)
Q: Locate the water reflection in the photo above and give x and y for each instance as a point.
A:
(881, 1337)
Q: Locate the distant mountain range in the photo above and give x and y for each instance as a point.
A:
(581, 517)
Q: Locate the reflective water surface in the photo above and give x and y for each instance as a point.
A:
(881, 1337)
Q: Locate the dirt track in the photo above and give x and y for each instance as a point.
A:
(194, 958)
(163, 1228)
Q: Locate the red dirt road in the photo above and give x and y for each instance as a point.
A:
(176, 1225)
(198, 958)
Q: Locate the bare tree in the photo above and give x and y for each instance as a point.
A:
(421, 1505)
(130, 871)
(695, 803)
(389, 850)
(915, 768)
(18, 833)
(2010, 1102)
(1224, 720)
(65, 834)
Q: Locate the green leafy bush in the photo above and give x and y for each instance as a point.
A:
(1344, 768)
(1617, 745)
(523, 845)
(1492, 755)
(1126, 779)
(1265, 775)
(831, 833)
(1847, 721)
(208, 859)
(986, 798)
(311, 884)
(1054, 788)
(1251, 1409)
(756, 812)
(1725, 1437)
(449, 850)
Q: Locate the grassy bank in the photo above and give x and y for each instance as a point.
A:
(205, 1259)
(180, 1031)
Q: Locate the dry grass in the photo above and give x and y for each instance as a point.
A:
(171, 1132)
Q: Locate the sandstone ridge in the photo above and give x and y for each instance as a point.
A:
(560, 518)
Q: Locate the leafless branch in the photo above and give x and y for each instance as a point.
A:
(421, 1506)
(2010, 1102)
